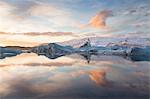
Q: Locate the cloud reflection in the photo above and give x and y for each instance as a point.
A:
(99, 77)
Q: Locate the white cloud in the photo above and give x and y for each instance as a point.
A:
(39, 17)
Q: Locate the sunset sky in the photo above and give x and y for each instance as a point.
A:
(77, 17)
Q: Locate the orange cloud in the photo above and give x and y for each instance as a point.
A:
(99, 20)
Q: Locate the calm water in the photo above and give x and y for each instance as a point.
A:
(29, 76)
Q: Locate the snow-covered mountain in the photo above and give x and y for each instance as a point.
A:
(132, 39)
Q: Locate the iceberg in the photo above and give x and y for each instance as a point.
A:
(8, 52)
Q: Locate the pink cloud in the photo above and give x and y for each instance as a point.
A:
(99, 20)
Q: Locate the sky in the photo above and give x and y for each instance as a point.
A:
(77, 17)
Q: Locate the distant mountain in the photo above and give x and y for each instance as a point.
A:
(103, 41)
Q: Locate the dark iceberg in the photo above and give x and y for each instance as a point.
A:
(140, 54)
(52, 50)
(8, 52)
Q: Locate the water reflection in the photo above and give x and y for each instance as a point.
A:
(99, 77)
(71, 77)
(131, 58)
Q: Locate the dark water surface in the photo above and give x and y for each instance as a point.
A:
(29, 76)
